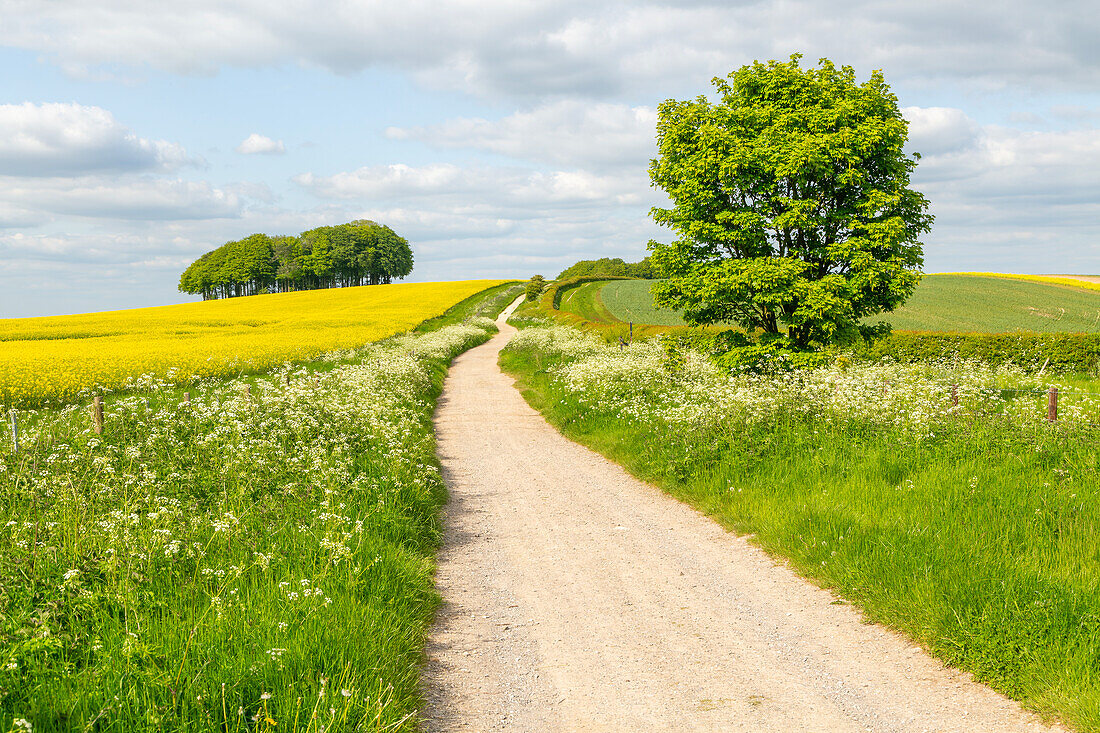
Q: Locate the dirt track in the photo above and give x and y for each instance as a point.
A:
(580, 599)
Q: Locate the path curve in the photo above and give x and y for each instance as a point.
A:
(577, 598)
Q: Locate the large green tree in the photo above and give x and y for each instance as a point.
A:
(361, 252)
(791, 200)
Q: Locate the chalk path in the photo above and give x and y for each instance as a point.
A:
(577, 598)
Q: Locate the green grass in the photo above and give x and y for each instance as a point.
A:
(632, 301)
(240, 562)
(941, 303)
(996, 305)
(977, 539)
(586, 301)
(488, 304)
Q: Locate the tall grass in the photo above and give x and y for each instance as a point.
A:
(254, 561)
(972, 529)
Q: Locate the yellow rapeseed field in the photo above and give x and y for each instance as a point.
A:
(59, 359)
(1051, 279)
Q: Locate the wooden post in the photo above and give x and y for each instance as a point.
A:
(97, 415)
(954, 395)
(187, 398)
(288, 379)
(248, 390)
(631, 332)
(14, 432)
(1052, 404)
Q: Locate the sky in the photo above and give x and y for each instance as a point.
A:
(502, 139)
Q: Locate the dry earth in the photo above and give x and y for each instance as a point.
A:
(577, 598)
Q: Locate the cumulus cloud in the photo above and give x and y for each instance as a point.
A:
(71, 139)
(570, 48)
(141, 198)
(474, 186)
(1029, 200)
(260, 144)
(571, 133)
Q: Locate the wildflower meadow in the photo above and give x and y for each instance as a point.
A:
(257, 557)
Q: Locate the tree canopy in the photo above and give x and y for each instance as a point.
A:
(791, 200)
(358, 253)
(611, 266)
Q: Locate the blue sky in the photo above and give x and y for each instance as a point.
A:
(501, 138)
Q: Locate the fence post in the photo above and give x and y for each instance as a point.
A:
(954, 395)
(14, 432)
(187, 398)
(97, 415)
(1052, 404)
(631, 332)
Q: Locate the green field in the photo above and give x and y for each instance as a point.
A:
(631, 301)
(958, 303)
(996, 305)
(587, 301)
(626, 301)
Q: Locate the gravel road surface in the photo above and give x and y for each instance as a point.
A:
(577, 598)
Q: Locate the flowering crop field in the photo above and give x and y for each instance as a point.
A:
(970, 527)
(254, 560)
(59, 359)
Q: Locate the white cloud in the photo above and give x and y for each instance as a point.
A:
(939, 130)
(257, 143)
(70, 139)
(569, 48)
(479, 187)
(1026, 200)
(133, 198)
(487, 221)
(572, 133)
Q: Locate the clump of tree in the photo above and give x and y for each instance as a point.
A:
(791, 200)
(534, 287)
(614, 267)
(361, 252)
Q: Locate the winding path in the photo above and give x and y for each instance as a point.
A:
(577, 598)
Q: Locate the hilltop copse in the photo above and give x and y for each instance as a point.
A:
(361, 252)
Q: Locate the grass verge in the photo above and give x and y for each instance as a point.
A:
(969, 531)
(487, 304)
(258, 558)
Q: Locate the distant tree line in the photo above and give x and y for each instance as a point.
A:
(612, 266)
(358, 253)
